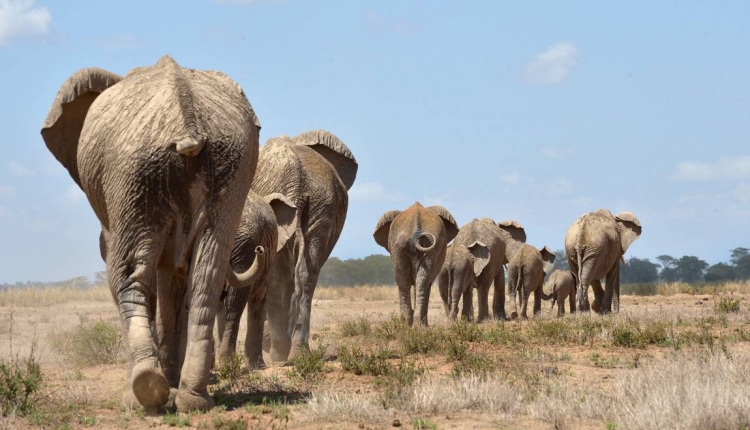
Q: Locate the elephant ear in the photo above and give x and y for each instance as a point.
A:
(451, 228)
(629, 227)
(286, 217)
(334, 150)
(62, 128)
(383, 228)
(548, 259)
(481, 254)
(515, 229)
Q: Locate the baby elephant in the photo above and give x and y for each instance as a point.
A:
(526, 272)
(562, 284)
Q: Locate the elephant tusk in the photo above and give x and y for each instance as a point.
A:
(251, 276)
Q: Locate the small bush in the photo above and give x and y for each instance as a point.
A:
(221, 422)
(473, 363)
(309, 366)
(357, 327)
(354, 360)
(551, 332)
(231, 372)
(91, 344)
(728, 305)
(176, 420)
(424, 424)
(391, 329)
(631, 335)
(20, 380)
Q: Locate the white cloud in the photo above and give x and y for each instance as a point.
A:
(20, 19)
(7, 191)
(510, 179)
(553, 65)
(18, 169)
(73, 195)
(556, 153)
(724, 168)
(372, 192)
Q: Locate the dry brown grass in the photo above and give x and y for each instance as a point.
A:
(366, 293)
(45, 297)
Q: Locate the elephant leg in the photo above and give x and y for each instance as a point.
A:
(467, 312)
(561, 307)
(404, 280)
(169, 311)
(445, 294)
(278, 299)
(230, 313)
(132, 283)
(512, 290)
(498, 298)
(599, 293)
(458, 289)
(256, 311)
(483, 301)
(423, 284)
(611, 291)
(306, 279)
(206, 278)
(524, 299)
(538, 300)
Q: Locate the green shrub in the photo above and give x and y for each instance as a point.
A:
(309, 367)
(176, 420)
(423, 424)
(91, 344)
(354, 360)
(356, 327)
(20, 381)
(728, 305)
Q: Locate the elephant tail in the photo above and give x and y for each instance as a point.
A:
(422, 241)
(579, 285)
(548, 296)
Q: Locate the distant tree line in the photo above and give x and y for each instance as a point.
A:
(377, 270)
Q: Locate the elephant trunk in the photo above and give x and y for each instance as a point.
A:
(422, 241)
(548, 296)
(251, 275)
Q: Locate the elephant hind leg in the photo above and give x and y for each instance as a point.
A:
(599, 296)
(498, 297)
(256, 310)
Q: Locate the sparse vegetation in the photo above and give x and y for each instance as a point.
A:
(20, 382)
(91, 343)
(728, 305)
(309, 367)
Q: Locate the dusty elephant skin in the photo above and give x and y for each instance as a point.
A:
(475, 259)
(315, 171)
(526, 273)
(165, 156)
(255, 244)
(416, 239)
(561, 286)
(595, 244)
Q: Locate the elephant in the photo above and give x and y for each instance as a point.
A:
(526, 272)
(476, 259)
(595, 244)
(562, 286)
(315, 170)
(416, 238)
(165, 157)
(256, 240)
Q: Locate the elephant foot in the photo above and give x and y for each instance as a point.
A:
(129, 402)
(500, 316)
(513, 315)
(297, 349)
(596, 306)
(149, 385)
(188, 402)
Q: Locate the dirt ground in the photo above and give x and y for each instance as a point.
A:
(88, 396)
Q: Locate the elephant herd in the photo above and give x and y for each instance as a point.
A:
(200, 223)
(418, 242)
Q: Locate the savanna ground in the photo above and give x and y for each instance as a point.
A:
(678, 359)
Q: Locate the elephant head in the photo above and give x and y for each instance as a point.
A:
(514, 236)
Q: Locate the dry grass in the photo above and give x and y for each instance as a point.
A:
(366, 293)
(45, 297)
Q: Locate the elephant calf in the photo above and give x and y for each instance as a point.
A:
(526, 275)
(562, 285)
(264, 220)
(416, 238)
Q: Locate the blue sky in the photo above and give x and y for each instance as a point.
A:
(534, 111)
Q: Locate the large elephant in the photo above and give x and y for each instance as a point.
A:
(166, 157)
(595, 244)
(315, 170)
(526, 272)
(256, 241)
(416, 239)
(475, 259)
(561, 286)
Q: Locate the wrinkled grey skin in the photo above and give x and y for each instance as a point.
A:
(595, 244)
(561, 286)
(257, 238)
(315, 171)
(475, 260)
(165, 156)
(416, 238)
(526, 273)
